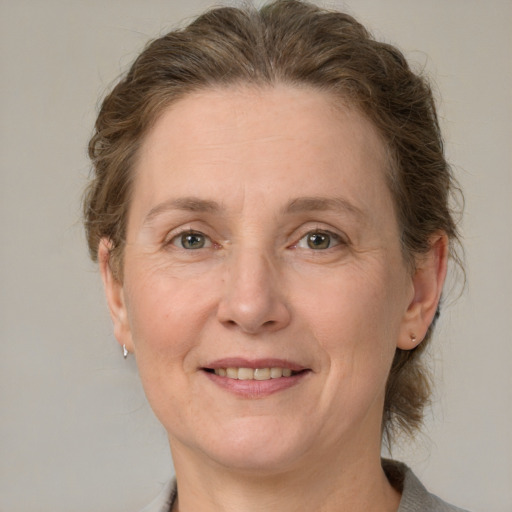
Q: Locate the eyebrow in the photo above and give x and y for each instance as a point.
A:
(309, 204)
(297, 205)
(189, 204)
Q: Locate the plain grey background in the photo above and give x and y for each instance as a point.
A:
(76, 434)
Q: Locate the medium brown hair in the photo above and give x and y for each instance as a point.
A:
(295, 43)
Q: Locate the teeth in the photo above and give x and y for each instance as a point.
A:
(275, 373)
(245, 374)
(262, 374)
(232, 373)
(251, 374)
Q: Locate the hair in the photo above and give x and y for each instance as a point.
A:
(296, 43)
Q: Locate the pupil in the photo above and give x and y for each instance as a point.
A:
(318, 241)
(192, 241)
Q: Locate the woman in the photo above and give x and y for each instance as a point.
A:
(270, 213)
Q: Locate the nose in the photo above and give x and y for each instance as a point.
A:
(253, 296)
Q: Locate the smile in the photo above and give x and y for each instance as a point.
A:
(254, 373)
(255, 378)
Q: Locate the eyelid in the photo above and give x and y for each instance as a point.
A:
(335, 239)
(174, 238)
(336, 235)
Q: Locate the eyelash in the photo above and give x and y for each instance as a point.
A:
(333, 240)
(178, 240)
(327, 238)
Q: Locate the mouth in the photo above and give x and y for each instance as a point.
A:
(242, 373)
(255, 378)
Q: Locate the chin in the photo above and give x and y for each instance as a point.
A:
(255, 446)
(257, 461)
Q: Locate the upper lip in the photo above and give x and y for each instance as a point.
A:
(240, 362)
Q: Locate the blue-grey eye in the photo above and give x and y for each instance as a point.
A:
(318, 240)
(192, 240)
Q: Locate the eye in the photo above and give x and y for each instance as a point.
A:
(191, 240)
(319, 240)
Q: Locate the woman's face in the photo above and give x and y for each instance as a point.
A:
(262, 235)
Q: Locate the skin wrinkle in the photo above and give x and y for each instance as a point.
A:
(297, 205)
(156, 218)
(338, 311)
(328, 115)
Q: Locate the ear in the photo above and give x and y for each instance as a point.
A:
(114, 292)
(427, 281)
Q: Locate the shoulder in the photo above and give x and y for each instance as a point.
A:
(415, 498)
(163, 502)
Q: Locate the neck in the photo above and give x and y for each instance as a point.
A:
(336, 483)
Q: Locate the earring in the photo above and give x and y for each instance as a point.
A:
(413, 338)
(125, 351)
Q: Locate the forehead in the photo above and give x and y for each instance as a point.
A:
(225, 114)
(222, 141)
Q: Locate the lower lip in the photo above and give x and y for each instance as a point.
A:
(256, 388)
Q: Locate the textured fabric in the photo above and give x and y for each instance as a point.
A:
(163, 502)
(415, 498)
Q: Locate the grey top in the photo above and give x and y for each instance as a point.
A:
(415, 498)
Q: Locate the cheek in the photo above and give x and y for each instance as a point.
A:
(354, 297)
(355, 316)
(167, 316)
(166, 312)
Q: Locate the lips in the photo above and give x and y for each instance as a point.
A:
(254, 373)
(255, 378)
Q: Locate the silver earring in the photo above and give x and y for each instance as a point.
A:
(413, 338)
(125, 351)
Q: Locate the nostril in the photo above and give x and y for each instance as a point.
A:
(262, 311)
